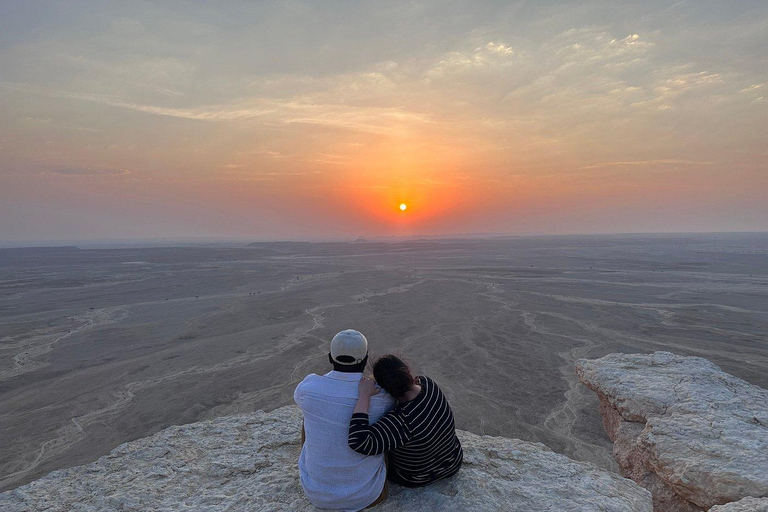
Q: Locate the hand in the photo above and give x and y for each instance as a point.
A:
(367, 387)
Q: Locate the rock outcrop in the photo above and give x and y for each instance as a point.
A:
(693, 435)
(248, 463)
(743, 505)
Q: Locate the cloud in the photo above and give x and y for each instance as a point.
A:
(545, 81)
(645, 163)
(86, 171)
(318, 110)
(333, 159)
(256, 175)
(488, 55)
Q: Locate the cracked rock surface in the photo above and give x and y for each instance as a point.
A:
(248, 462)
(692, 434)
(743, 505)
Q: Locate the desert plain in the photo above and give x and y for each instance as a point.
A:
(99, 346)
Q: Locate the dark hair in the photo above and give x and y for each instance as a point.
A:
(393, 375)
(348, 368)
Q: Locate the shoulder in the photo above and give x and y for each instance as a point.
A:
(382, 400)
(428, 382)
(310, 378)
(310, 381)
(396, 416)
(382, 396)
(431, 389)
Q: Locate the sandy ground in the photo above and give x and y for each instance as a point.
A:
(98, 347)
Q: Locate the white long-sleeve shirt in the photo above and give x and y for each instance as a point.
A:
(332, 474)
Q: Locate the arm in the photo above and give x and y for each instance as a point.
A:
(384, 435)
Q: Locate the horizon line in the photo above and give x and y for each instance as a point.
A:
(138, 242)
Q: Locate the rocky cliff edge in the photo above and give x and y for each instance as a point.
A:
(248, 463)
(693, 435)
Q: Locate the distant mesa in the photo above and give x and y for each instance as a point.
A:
(50, 248)
(281, 248)
(286, 245)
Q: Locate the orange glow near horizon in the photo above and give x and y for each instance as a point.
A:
(407, 203)
(547, 123)
(402, 187)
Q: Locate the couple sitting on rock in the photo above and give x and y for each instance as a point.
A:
(350, 423)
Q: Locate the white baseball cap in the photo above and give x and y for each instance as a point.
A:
(349, 345)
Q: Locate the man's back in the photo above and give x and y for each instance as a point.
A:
(332, 474)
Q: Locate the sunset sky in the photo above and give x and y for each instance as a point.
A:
(291, 120)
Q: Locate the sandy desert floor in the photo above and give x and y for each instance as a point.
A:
(102, 346)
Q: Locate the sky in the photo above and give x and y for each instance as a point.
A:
(311, 120)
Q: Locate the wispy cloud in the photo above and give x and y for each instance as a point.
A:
(382, 120)
(86, 172)
(647, 163)
(209, 113)
(491, 54)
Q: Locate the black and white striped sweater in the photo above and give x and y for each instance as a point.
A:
(419, 435)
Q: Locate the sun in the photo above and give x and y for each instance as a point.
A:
(403, 207)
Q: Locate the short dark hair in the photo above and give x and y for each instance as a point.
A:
(348, 368)
(393, 375)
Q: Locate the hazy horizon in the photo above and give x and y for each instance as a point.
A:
(159, 242)
(294, 120)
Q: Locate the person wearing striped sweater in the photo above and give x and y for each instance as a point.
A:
(418, 434)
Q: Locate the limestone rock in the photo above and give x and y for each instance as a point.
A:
(690, 433)
(248, 463)
(743, 505)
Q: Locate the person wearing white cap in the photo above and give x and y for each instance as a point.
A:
(333, 475)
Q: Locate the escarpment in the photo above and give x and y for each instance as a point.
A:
(693, 435)
(249, 462)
